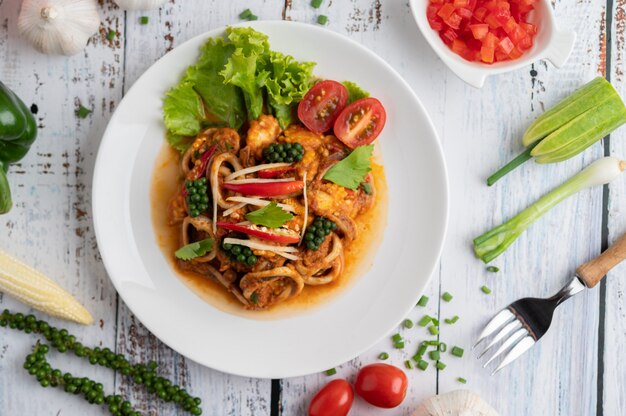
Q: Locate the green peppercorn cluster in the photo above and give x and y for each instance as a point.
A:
(283, 152)
(239, 253)
(62, 341)
(317, 232)
(197, 196)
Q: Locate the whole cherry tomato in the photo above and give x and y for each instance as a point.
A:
(334, 399)
(381, 385)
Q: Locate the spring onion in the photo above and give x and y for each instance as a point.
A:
(111, 34)
(322, 19)
(422, 349)
(485, 289)
(245, 14)
(447, 297)
(408, 364)
(491, 244)
(433, 330)
(383, 356)
(435, 321)
(423, 301)
(330, 372)
(434, 355)
(440, 365)
(493, 269)
(461, 380)
(451, 320)
(417, 358)
(457, 351)
(144, 20)
(398, 345)
(443, 347)
(422, 365)
(316, 3)
(424, 321)
(407, 323)
(396, 338)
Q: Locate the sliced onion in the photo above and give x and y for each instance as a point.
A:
(234, 208)
(257, 245)
(288, 256)
(259, 202)
(306, 209)
(255, 180)
(255, 169)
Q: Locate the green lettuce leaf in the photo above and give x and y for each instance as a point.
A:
(183, 110)
(354, 91)
(287, 83)
(180, 143)
(245, 67)
(223, 100)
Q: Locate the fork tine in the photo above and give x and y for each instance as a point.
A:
(510, 327)
(503, 317)
(506, 344)
(517, 350)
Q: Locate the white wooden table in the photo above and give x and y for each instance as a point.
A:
(577, 369)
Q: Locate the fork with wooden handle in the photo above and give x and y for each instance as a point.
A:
(520, 325)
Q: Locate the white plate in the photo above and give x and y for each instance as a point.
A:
(325, 336)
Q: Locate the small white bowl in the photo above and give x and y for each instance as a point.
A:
(550, 43)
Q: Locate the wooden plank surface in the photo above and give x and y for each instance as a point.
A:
(51, 225)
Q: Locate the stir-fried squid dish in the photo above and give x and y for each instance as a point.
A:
(270, 205)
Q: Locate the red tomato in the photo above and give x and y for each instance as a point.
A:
(360, 122)
(334, 399)
(322, 104)
(381, 385)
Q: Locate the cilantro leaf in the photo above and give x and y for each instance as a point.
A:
(351, 171)
(193, 250)
(270, 215)
(354, 91)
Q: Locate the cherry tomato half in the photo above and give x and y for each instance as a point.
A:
(360, 122)
(381, 385)
(322, 104)
(334, 399)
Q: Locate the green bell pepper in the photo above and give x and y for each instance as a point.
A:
(18, 131)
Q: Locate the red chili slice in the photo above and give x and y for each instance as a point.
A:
(274, 236)
(276, 172)
(199, 169)
(266, 188)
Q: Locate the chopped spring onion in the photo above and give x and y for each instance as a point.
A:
(493, 269)
(258, 202)
(398, 345)
(422, 349)
(253, 169)
(407, 323)
(257, 180)
(433, 342)
(245, 14)
(396, 338)
(322, 19)
(330, 372)
(234, 208)
(461, 380)
(144, 20)
(433, 330)
(253, 17)
(423, 301)
(316, 3)
(424, 321)
(111, 34)
(422, 365)
(83, 112)
(440, 365)
(457, 351)
(383, 356)
(434, 355)
(447, 297)
(408, 364)
(451, 320)
(306, 209)
(417, 357)
(485, 289)
(491, 244)
(435, 321)
(443, 347)
(256, 245)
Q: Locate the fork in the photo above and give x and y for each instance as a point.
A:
(521, 324)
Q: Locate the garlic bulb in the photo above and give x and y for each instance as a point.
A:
(455, 403)
(139, 4)
(58, 26)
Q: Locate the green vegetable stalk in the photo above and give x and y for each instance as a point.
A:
(18, 131)
(568, 128)
(491, 244)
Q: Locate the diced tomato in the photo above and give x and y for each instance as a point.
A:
(454, 21)
(479, 31)
(505, 45)
(484, 30)
(445, 11)
(487, 54)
